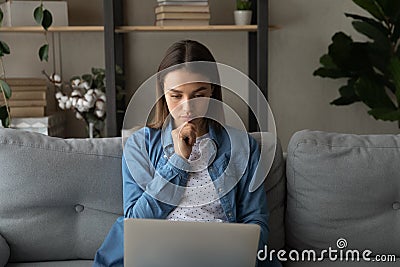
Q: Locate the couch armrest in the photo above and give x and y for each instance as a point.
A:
(4, 251)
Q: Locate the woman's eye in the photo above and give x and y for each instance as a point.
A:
(199, 96)
(175, 96)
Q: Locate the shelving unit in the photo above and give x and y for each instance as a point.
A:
(114, 31)
(113, 36)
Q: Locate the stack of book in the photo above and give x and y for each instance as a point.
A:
(182, 13)
(30, 97)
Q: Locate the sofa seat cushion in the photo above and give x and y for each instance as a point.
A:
(53, 263)
(337, 263)
(4, 251)
(58, 197)
(343, 186)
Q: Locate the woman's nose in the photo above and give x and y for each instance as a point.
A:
(186, 105)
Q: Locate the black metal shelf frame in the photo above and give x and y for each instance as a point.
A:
(114, 55)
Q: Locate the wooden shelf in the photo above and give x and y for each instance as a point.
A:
(34, 29)
(127, 29)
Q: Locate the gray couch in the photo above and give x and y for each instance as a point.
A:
(59, 197)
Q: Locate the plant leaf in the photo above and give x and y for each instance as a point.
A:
(372, 32)
(373, 94)
(4, 49)
(394, 69)
(44, 52)
(378, 25)
(47, 19)
(118, 70)
(379, 56)
(97, 71)
(396, 32)
(5, 120)
(327, 62)
(5, 88)
(348, 94)
(343, 101)
(385, 114)
(88, 78)
(38, 14)
(1, 16)
(348, 55)
(372, 7)
(331, 73)
(391, 8)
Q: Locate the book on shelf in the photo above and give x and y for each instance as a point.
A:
(192, 3)
(26, 81)
(182, 15)
(183, 22)
(28, 95)
(25, 103)
(182, 8)
(182, 1)
(19, 88)
(27, 112)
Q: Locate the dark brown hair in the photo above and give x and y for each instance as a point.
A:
(178, 53)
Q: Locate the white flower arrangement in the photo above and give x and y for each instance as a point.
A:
(86, 97)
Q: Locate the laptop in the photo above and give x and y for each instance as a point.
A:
(164, 243)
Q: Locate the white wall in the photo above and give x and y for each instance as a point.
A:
(298, 99)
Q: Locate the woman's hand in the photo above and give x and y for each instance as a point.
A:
(184, 138)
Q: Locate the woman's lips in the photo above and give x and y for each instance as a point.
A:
(187, 118)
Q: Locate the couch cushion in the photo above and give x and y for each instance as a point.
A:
(4, 251)
(343, 186)
(58, 197)
(53, 263)
(275, 186)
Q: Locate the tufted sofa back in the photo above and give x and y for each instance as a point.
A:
(59, 197)
(343, 187)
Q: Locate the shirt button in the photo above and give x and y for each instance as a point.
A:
(396, 205)
(219, 190)
(229, 214)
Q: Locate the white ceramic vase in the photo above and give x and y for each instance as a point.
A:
(242, 17)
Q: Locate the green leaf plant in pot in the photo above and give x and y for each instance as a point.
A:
(242, 14)
(5, 90)
(372, 67)
(42, 17)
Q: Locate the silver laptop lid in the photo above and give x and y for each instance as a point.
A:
(163, 243)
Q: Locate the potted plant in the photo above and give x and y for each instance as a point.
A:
(42, 17)
(372, 67)
(243, 12)
(5, 90)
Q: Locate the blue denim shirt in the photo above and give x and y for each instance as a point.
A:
(154, 178)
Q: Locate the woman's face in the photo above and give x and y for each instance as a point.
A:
(187, 99)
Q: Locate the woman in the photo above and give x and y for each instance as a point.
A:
(172, 169)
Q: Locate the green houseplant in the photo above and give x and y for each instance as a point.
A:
(5, 90)
(243, 12)
(372, 67)
(243, 5)
(42, 17)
